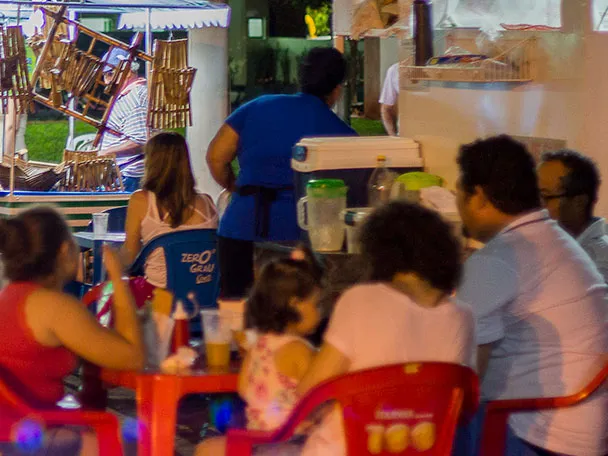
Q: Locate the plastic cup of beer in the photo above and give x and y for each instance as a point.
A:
(100, 223)
(217, 333)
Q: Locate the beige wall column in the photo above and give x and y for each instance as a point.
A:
(208, 51)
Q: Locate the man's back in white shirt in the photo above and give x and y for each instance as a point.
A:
(594, 241)
(539, 299)
(389, 100)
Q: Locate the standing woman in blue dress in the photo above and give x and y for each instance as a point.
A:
(261, 135)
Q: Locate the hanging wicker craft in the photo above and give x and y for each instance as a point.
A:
(14, 78)
(170, 85)
(59, 38)
(80, 72)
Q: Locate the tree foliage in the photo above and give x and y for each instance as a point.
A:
(322, 18)
(287, 16)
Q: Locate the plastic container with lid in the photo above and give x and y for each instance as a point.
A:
(353, 219)
(319, 213)
(407, 186)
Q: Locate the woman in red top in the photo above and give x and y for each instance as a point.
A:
(43, 330)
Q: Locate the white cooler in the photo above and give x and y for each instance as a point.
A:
(352, 159)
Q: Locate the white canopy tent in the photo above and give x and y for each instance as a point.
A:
(212, 16)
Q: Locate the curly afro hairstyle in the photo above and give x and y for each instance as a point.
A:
(504, 169)
(405, 237)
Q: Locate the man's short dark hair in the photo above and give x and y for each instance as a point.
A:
(321, 71)
(406, 237)
(504, 169)
(583, 176)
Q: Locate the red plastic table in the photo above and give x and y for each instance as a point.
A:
(157, 396)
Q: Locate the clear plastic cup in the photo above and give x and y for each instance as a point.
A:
(100, 223)
(217, 333)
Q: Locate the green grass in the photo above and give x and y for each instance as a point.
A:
(367, 127)
(45, 140)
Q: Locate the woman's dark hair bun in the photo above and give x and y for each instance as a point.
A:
(4, 234)
(13, 237)
(30, 243)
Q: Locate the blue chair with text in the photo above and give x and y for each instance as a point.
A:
(192, 267)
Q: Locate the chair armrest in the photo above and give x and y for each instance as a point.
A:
(79, 418)
(137, 267)
(241, 441)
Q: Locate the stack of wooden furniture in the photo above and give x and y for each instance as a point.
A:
(72, 72)
(30, 175)
(86, 171)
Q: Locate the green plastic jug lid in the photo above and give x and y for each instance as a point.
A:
(326, 188)
(325, 183)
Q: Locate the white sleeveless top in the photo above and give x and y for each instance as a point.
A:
(152, 226)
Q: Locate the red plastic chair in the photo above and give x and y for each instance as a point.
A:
(411, 408)
(104, 424)
(497, 412)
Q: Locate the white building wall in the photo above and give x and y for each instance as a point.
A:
(208, 51)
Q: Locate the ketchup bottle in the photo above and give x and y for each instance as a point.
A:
(181, 329)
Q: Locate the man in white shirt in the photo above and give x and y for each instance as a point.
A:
(389, 101)
(538, 302)
(569, 184)
(129, 118)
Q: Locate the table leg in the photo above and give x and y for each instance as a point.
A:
(157, 402)
(97, 261)
(92, 394)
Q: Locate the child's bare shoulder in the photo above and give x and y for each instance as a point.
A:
(295, 348)
(293, 358)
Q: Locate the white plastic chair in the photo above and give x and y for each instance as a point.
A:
(82, 142)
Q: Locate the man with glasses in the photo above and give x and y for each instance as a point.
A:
(538, 300)
(128, 117)
(569, 184)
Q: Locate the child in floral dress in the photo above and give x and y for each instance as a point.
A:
(282, 308)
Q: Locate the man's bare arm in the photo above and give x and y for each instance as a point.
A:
(125, 149)
(389, 118)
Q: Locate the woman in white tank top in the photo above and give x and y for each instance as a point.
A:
(168, 202)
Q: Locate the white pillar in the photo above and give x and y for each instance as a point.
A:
(208, 52)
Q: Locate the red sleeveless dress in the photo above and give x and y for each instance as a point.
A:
(33, 371)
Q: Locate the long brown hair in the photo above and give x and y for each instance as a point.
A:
(168, 175)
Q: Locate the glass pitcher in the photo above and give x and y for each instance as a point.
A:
(319, 213)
